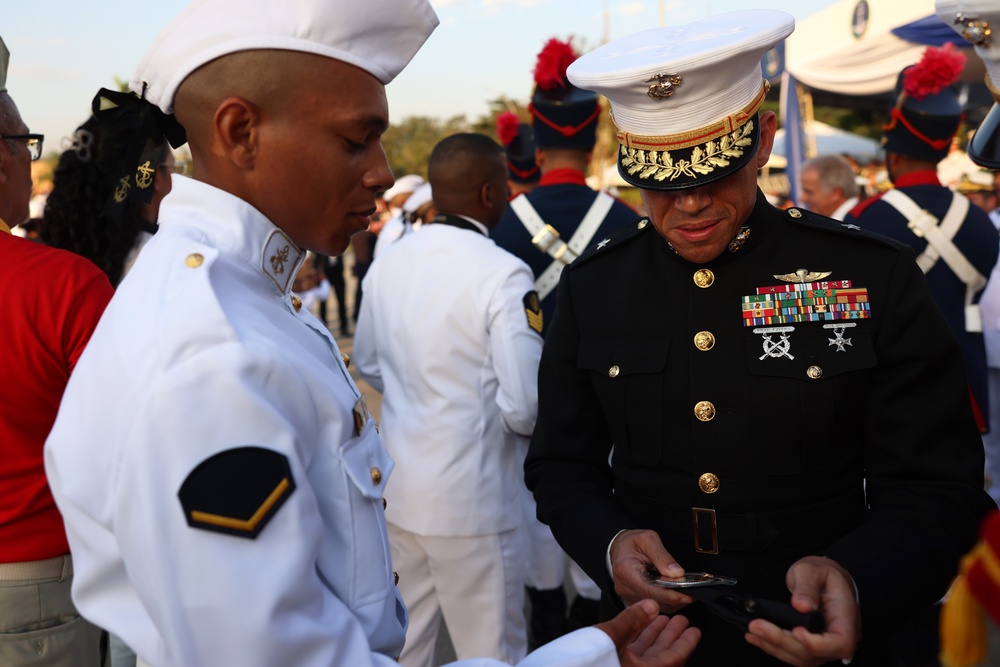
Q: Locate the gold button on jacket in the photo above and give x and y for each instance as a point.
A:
(704, 411)
(704, 340)
(614, 371)
(703, 278)
(709, 482)
(376, 476)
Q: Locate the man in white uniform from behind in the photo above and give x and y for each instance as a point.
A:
(219, 475)
(450, 332)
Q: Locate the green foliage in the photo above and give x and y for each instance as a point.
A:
(408, 143)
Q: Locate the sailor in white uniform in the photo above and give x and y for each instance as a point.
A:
(219, 475)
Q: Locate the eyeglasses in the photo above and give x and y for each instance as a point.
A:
(33, 141)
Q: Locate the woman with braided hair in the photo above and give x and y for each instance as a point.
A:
(78, 213)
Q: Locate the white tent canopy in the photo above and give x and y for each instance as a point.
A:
(832, 141)
(837, 50)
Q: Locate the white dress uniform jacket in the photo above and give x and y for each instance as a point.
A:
(201, 353)
(443, 333)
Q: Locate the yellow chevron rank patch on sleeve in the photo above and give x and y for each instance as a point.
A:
(533, 309)
(237, 491)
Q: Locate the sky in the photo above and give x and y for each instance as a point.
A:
(63, 51)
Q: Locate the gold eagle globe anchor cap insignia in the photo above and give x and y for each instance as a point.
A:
(662, 85)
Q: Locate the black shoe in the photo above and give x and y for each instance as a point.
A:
(548, 615)
(583, 613)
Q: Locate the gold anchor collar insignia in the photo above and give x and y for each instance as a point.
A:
(802, 276)
(280, 259)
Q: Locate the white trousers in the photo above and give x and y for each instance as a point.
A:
(475, 583)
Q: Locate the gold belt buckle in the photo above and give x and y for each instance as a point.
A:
(545, 237)
(696, 517)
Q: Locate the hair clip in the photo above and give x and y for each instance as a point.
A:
(80, 142)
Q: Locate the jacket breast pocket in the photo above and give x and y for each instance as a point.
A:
(349, 484)
(627, 374)
(807, 382)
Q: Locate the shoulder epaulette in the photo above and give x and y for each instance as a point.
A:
(806, 218)
(614, 240)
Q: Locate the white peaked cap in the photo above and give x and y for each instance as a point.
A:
(378, 36)
(978, 21)
(684, 98)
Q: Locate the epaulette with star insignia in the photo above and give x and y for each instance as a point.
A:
(805, 218)
(604, 245)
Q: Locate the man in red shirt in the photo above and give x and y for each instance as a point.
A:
(50, 303)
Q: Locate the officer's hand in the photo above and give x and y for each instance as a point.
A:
(815, 583)
(646, 639)
(637, 556)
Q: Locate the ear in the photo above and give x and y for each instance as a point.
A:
(487, 196)
(540, 158)
(236, 131)
(768, 126)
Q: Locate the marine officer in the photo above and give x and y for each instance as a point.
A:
(732, 389)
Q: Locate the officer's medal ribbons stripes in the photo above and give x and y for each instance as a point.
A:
(805, 302)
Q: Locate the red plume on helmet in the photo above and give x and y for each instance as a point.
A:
(938, 69)
(507, 126)
(554, 58)
(926, 113)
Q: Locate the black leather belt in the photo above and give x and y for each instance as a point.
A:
(711, 531)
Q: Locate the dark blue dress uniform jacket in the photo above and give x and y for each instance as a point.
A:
(978, 241)
(563, 206)
(875, 461)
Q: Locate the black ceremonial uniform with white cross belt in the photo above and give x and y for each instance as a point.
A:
(562, 202)
(784, 399)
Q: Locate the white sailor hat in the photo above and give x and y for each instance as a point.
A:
(403, 185)
(685, 99)
(420, 196)
(378, 36)
(978, 21)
